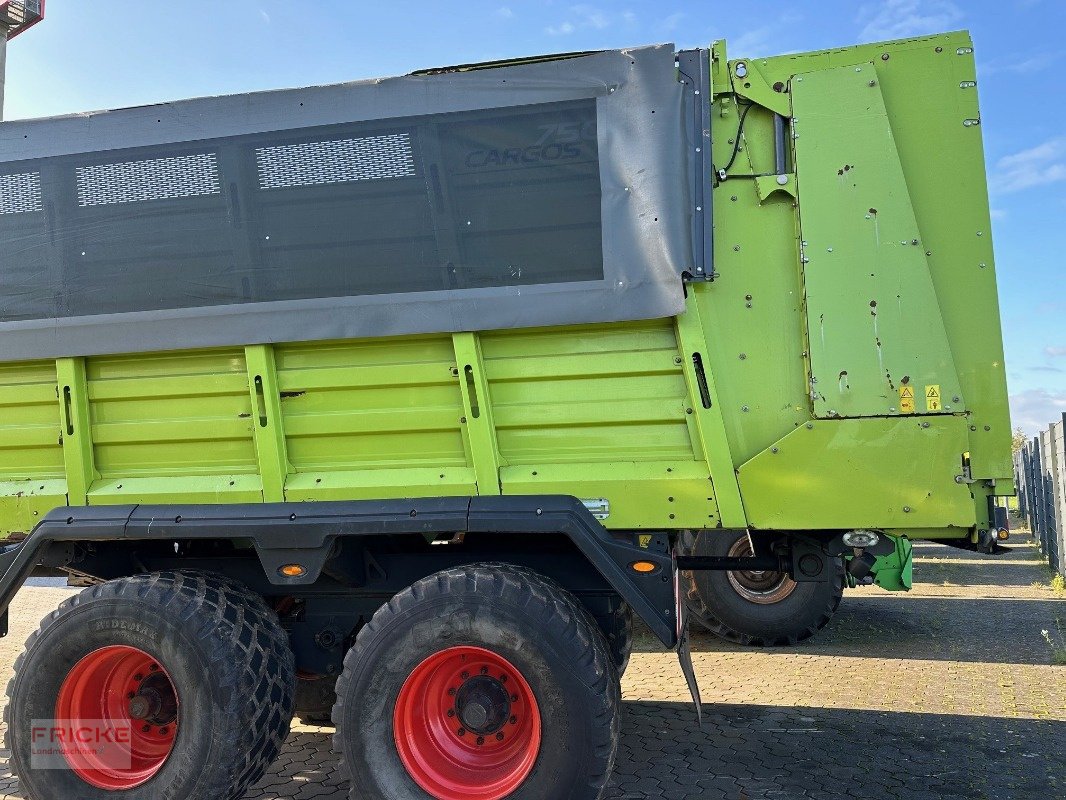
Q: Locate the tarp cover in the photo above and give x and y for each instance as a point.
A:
(546, 193)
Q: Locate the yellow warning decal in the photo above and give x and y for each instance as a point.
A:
(932, 397)
(644, 540)
(906, 399)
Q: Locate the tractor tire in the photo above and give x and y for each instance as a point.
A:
(136, 660)
(486, 681)
(617, 628)
(762, 609)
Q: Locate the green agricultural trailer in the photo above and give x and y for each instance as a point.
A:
(398, 400)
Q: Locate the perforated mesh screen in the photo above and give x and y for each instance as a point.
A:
(548, 192)
(506, 197)
(151, 179)
(20, 193)
(338, 161)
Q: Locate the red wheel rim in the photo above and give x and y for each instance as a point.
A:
(467, 726)
(124, 697)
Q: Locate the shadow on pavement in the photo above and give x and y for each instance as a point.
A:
(756, 751)
(745, 752)
(1000, 631)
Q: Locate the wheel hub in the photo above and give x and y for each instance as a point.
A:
(764, 587)
(483, 705)
(154, 701)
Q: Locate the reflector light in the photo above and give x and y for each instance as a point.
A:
(292, 570)
(644, 566)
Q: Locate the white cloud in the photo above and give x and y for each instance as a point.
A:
(900, 19)
(751, 43)
(671, 22)
(1055, 352)
(1035, 409)
(1036, 166)
(998, 213)
(1023, 66)
(591, 17)
(265, 16)
(561, 29)
(504, 12)
(587, 17)
(766, 39)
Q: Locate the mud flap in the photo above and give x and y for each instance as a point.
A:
(684, 655)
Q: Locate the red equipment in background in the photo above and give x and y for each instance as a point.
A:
(20, 16)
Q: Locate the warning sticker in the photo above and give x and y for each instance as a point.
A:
(932, 398)
(644, 540)
(906, 399)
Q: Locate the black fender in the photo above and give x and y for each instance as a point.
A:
(307, 534)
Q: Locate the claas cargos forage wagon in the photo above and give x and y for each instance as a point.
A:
(400, 400)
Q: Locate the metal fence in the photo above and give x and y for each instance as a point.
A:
(1040, 470)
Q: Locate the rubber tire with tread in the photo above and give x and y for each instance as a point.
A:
(714, 602)
(225, 652)
(526, 618)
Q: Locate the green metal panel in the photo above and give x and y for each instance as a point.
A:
(267, 421)
(707, 414)
(477, 419)
(649, 494)
(601, 393)
(32, 471)
(895, 571)
(373, 419)
(601, 412)
(846, 474)
(75, 429)
(172, 427)
(874, 325)
(929, 89)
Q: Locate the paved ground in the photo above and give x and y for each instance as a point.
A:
(946, 692)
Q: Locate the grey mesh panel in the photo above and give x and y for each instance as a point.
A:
(541, 194)
(20, 193)
(338, 161)
(151, 179)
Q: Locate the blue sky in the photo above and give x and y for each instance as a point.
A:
(91, 55)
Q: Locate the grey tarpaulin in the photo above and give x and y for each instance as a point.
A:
(545, 193)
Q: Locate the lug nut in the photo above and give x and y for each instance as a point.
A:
(499, 737)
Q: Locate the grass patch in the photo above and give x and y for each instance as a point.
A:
(1055, 583)
(1056, 644)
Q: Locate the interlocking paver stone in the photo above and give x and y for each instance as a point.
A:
(946, 692)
